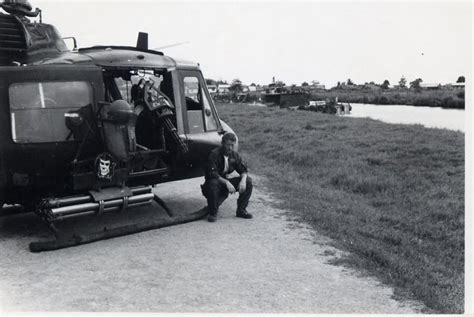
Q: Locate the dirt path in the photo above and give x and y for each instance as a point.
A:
(267, 264)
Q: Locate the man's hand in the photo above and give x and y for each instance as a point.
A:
(230, 187)
(242, 186)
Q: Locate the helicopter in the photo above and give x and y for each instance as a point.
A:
(87, 131)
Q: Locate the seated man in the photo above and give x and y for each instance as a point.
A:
(222, 162)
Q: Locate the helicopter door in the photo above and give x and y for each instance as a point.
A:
(34, 101)
(201, 123)
(36, 96)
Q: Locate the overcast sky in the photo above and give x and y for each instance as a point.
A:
(295, 42)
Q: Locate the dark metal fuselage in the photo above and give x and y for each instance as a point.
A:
(32, 170)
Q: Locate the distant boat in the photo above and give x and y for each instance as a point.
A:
(325, 106)
(285, 99)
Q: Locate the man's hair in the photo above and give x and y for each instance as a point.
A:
(229, 136)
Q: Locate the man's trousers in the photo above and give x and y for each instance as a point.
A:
(216, 192)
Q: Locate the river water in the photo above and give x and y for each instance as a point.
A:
(452, 119)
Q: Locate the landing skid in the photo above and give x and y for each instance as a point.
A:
(163, 205)
(56, 209)
(75, 240)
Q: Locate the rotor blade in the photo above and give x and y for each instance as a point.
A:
(168, 46)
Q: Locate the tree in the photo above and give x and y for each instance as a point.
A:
(253, 84)
(416, 83)
(349, 82)
(279, 83)
(236, 86)
(314, 82)
(304, 84)
(403, 82)
(385, 84)
(211, 82)
(461, 79)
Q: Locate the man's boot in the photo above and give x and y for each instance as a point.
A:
(243, 214)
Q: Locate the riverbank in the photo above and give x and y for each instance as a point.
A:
(392, 195)
(452, 98)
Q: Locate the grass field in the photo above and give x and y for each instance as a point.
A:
(392, 195)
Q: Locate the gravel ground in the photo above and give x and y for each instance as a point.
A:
(264, 265)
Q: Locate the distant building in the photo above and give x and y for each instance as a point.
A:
(212, 89)
(345, 86)
(191, 89)
(399, 87)
(310, 88)
(430, 85)
(223, 88)
(454, 86)
(371, 86)
(256, 91)
(318, 86)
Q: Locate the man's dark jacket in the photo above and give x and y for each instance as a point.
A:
(215, 164)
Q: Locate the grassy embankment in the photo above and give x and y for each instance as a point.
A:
(392, 195)
(446, 98)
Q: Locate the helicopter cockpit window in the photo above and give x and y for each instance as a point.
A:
(200, 115)
(39, 109)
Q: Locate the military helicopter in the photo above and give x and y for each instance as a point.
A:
(90, 130)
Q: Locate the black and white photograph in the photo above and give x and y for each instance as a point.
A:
(244, 157)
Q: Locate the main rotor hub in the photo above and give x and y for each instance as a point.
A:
(19, 8)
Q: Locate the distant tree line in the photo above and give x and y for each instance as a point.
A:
(236, 84)
(402, 83)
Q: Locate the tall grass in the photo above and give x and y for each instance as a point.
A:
(392, 195)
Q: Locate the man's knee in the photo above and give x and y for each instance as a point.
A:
(210, 187)
(213, 183)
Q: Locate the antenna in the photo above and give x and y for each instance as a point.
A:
(142, 41)
(171, 45)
